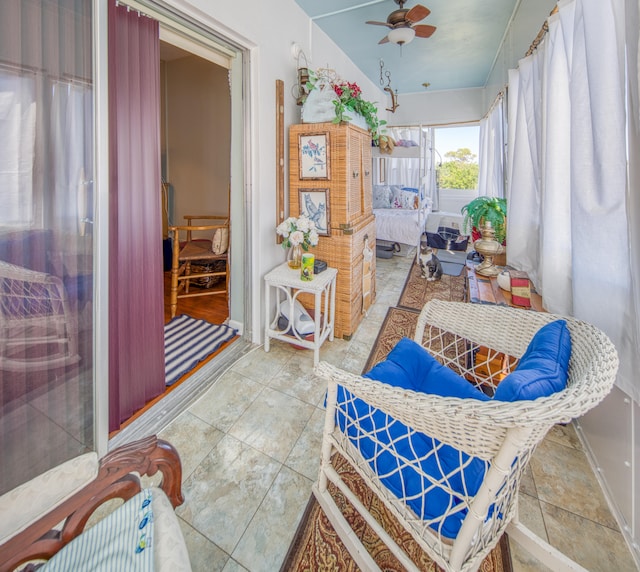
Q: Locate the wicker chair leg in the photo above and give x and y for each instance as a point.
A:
(542, 550)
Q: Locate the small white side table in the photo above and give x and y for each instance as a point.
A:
(285, 280)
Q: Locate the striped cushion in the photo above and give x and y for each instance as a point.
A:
(121, 541)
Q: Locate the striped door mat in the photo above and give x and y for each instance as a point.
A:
(188, 341)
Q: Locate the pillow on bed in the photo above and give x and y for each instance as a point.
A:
(406, 199)
(381, 197)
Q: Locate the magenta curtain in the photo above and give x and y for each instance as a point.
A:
(136, 304)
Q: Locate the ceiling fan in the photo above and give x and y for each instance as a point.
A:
(403, 24)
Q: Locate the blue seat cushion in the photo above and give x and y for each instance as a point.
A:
(543, 369)
(410, 366)
(393, 445)
(388, 445)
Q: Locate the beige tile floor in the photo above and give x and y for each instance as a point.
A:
(250, 451)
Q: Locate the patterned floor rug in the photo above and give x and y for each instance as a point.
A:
(316, 546)
(418, 291)
(398, 323)
(188, 341)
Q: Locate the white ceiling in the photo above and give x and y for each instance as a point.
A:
(460, 54)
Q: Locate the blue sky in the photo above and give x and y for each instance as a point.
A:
(454, 138)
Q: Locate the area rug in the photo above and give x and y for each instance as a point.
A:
(418, 291)
(398, 323)
(188, 341)
(317, 547)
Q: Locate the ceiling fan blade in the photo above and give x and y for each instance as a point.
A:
(424, 30)
(384, 40)
(378, 23)
(417, 13)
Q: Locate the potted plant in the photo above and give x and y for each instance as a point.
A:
(348, 99)
(481, 209)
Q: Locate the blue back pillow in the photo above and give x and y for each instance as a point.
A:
(544, 367)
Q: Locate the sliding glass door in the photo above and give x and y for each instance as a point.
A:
(46, 235)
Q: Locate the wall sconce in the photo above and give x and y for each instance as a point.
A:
(394, 95)
(299, 90)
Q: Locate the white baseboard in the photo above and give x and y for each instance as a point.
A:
(236, 326)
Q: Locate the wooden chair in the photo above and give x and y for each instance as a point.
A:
(60, 510)
(454, 487)
(211, 245)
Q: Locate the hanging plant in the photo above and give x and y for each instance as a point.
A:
(349, 100)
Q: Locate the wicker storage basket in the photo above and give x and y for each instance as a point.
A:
(348, 179)
(344, 250)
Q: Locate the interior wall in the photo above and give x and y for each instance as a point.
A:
(196, 148)
(439, 107)
(525, 25)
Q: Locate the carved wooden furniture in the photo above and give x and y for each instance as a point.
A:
(42, 516)
(347, 180)
(201, 245)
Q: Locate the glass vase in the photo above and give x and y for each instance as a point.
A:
(295, 256)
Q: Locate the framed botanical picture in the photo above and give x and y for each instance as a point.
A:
(314, 156)
(314, 203)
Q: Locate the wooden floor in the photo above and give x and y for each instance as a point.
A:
(213, 309)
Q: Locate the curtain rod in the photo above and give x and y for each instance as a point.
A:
(497, 100)
(471, 122)
(541, 34)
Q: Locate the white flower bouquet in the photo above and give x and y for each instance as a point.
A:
(298, 231)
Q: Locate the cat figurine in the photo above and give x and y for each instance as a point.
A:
(430, 266)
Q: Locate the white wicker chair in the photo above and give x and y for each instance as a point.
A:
(37, 330)
(503, 435)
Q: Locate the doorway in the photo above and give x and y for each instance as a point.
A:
(195, 128)
(202, 160)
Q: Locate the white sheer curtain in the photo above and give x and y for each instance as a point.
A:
(18, 125)
(523, 191)
(491, 159)
(567, 219)
(71, 114)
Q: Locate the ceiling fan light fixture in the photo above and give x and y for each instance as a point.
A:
(401, 35)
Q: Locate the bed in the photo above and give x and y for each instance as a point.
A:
(400, 214)
(400, 186)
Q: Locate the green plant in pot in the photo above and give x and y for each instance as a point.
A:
(481, 209)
